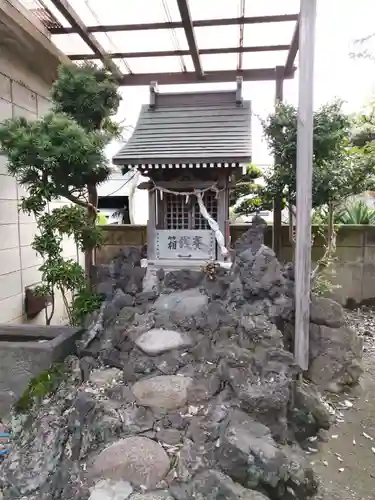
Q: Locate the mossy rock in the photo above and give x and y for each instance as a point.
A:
(303, 424)
(41, 387)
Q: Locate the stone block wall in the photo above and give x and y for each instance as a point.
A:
(354, 266)
(116, 237)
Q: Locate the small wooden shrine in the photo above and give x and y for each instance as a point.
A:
(192, 146)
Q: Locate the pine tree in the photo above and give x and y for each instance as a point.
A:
(61, 155)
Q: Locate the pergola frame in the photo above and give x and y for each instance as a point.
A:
(303, 40)
(187, 24)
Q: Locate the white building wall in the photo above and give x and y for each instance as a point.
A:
(22, 93)
(126, 185)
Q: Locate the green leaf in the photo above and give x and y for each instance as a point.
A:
(356, 212)
(62, 156)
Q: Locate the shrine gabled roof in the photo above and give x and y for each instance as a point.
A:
(190, 128)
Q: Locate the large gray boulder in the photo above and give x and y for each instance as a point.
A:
(158, 340)
(260, 273)
(214, 485)
(326, 312)
(253, 238)
(335, 349)
(111, 490)
(138, 460)
(166, 392)
(248, 454)
(309, 414)
(180, 306)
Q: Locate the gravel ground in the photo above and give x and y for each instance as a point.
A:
(346, 462)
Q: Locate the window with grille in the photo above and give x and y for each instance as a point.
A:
(182, 215)
(177, 212)
(210, 202)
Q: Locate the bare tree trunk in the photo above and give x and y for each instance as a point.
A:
(291, 232)
(92, 213)
(49, 316)
(277, 226)
(330, 247)
(291, 227)
(330, 229)
(67, 306)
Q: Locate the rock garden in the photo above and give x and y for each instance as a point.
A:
(185, 387)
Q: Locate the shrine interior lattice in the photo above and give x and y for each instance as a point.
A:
(185, 214)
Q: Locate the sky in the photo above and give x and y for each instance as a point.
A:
(339, 23)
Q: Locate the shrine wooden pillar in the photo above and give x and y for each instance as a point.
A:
(151, 225)
(223, 210)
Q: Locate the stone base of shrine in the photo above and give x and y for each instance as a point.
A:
(174, 264)
(167, 265)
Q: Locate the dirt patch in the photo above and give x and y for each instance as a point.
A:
(346, 463)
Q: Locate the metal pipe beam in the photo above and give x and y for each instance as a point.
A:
(253, 75)
(178, 53)
(201, 23)
(64, 7)
(187, 23)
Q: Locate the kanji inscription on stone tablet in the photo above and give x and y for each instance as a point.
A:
(185, 244)
(172, 242)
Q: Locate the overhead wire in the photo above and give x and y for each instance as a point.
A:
(122, 185)
(114, 48)
(94, 14)
(173, 35)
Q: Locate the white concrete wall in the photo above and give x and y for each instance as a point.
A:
(125, 185)
(22, 93)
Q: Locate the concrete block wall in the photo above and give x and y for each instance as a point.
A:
(354, 264)
(22, 93)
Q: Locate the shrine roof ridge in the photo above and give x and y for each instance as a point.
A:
(190, 127)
